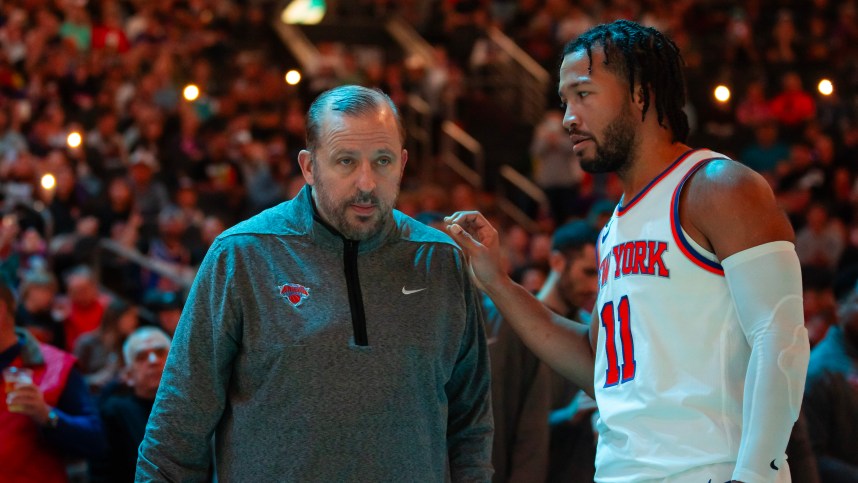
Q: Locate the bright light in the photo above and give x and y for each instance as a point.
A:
(722, 94)
(293, 77)
(826, 88)
(74, 139)
(191, 92)
(307, 12)
(48, 181)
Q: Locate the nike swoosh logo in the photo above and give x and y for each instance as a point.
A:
(772, 464)
(409, 292)
(607, 230)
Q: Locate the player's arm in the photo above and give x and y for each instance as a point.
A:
(731, 209)
(562, 344)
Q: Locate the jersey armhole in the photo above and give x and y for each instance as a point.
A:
(690, 248)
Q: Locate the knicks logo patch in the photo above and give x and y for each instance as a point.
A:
(294, 293)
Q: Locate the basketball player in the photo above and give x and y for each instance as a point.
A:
(696, 350)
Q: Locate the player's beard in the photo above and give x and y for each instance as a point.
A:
(349, 224)
(614, 153)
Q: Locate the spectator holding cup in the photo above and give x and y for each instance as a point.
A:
(45, 412)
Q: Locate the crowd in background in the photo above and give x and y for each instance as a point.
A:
(160, 177)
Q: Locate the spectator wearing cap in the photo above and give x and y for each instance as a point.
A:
(150, 195)
(167, 308)
(126, 412)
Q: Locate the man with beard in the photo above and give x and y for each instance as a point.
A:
(524, 390)
(330, 338)
(696, 351)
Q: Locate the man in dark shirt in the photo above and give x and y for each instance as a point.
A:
(125, 413)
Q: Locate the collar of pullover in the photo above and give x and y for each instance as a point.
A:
(326, 235)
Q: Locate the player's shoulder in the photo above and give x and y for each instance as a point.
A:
(726, 183)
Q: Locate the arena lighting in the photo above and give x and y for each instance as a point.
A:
(74, 139)
(722, 93)
(293, 77)
(48, 181)
(826, 88)
(191, 92)
(306, 12)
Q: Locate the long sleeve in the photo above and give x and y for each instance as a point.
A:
(765, 282)
(79, 429)
(469, 426)
(193, 391)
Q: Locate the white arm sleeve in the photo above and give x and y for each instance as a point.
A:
(765, 282)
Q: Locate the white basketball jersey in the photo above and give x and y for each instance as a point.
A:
(671, 357)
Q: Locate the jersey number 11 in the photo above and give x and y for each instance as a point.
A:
(623, 317)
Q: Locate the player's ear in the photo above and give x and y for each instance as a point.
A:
(638, 97)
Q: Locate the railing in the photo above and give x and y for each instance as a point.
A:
(182, 276)
(511, 178)
(454, 139)
(418, 123)
(520, 77)
(294, 39)
(410, 40)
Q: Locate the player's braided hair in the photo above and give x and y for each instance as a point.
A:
(651, 59)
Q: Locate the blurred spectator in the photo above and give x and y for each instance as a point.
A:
(783, 52)
(84, 304)
(108, 33)
(754, 109)
(76, 30)
(36, 310)
(819, 302)
(519, 404)
(47, 420)
(169, 248)
(571, 292)
(212, 227)
(149, 194)
(117, 208)
(167, 308)
(107, 155)
(99, 352)
(767, 151)
(792, 107)
(69, 199)
(9, 259)
(821, 241)
(125, 413)
(12, 142)
(531, 276)
(830, 400)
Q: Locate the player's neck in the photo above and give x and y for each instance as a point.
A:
(649, 161)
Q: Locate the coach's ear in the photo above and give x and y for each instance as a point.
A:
(305, 160)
